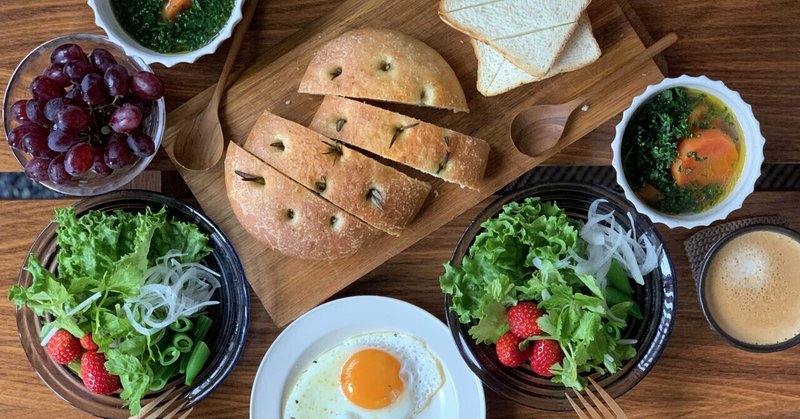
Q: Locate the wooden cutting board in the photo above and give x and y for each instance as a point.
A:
(288, 287)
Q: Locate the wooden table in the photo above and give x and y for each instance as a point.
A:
(752, 46)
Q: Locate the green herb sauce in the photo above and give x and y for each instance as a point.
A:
(192, 29)
(650, 147)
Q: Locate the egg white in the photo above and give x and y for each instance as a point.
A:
(317, 392)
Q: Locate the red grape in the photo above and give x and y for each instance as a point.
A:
(65, 53)
(56, 72)
(45, 88)
(56, 171)
(16, 135)
(35, 143)
(18, 110)
(147, 85)
(99, 164)
(54, 106)
(116, 78)
(34, 109)
(94, 91)
(73, 119)
(79, 159)
(141, 144)
(37, 169)
(101, 59)
(126, 119)
(117, 154)
(75, 95)
(77, 70)
(61, 141)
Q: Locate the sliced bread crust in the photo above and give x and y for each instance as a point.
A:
(286, 216)
(438, 151)
(529, 33)
(384, 65)
(377, 194)
(497, 75)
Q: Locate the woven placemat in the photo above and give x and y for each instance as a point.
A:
(701, 242)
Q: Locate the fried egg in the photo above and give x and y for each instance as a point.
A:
(383, 375)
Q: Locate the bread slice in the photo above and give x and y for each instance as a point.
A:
(529, 33)
(384, 65)
(497, 75)
(286, 216)
(377, 194)
(443, 153)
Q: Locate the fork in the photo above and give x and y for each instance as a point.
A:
(161, 407)
(604, 412)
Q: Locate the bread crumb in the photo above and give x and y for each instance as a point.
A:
(288, 102)
(435, 193)
(584, 108)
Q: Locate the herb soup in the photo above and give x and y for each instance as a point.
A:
(683, 151)
(172, 26)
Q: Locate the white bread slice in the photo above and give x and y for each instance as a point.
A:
(529, 33)
(497, 75)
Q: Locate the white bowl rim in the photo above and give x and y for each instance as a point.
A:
(168, 60)
(754, 154)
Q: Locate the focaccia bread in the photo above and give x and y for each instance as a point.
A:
(438, 151)
(529, 33)
(384, 65)
(377, 194)
(285, 215)
(497, 75)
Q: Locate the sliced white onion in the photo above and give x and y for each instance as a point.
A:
(49, 336)
(172, 289)
(85, 303)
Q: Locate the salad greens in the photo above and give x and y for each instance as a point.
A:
(522, 254)
(102, 262)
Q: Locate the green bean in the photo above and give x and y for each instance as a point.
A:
(182, 342)
(169, 355)
(183, 324)
(197, 360)
(618, 279)
(161, 377)
(201, 327)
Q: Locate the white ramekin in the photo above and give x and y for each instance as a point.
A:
(754, 152)
(104, 18)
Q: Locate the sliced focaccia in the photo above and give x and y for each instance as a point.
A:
(438, 151)
(384, 65)
(285, 215)
(377, 194)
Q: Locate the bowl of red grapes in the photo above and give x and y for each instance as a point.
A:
(81, 117)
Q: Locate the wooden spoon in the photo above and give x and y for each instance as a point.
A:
(199, 146)
(539, 128)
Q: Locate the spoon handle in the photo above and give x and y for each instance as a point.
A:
(659, 46)
(233, 50)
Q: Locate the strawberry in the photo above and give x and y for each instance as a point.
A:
(508, 352)
(522, 319)
(63, 347)
(87, 342)
(546, 353)
(95, 376)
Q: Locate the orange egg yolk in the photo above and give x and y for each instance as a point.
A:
(371, 379)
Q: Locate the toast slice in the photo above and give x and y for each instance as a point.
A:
(529, 33)
(384, 65)
(375, 193)
(286, 216)
(497, 75)
(440, 152)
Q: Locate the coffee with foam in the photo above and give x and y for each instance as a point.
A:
(752, 287)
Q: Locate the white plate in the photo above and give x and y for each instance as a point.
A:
(329, 324)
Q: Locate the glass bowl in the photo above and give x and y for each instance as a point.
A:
(226, 338)
(34, 64)
(702, 293)
(656, 300)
